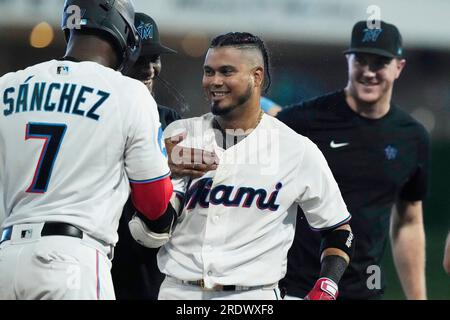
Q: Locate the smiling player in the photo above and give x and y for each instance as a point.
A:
(379, 157)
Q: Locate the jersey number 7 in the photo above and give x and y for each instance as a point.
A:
(53, 134)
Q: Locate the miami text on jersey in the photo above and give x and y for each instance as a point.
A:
(41, 97)
(201, 193)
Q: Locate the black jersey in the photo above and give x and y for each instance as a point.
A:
(167, 116)
(134, 270)
(375, 162)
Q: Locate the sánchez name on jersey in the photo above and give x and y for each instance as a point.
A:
(42, 96)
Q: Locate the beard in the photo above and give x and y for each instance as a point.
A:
(220, 111)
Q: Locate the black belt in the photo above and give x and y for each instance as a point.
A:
(219, 287)
(49, 229)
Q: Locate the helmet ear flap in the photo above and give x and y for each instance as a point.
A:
(131, 55)
(133, 49)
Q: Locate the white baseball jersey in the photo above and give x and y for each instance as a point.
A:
(238, 221)
(71, 136)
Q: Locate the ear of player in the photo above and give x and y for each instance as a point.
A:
(324, 289)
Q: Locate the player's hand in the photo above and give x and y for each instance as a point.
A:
(189, 161)
(324, 289)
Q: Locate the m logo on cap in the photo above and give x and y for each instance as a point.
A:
(371, 34)
(145, 31)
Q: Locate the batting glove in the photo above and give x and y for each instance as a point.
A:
(324, 289)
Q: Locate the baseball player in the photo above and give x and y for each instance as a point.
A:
(134, 270)
(238, 221)
(74, 135)
(379, 157)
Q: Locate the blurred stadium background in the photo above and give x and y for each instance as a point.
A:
(306, 39)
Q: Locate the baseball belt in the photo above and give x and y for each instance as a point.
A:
(49, 229)
(59, 229)
(220, 287)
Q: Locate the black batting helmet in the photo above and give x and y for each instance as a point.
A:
(115, 18)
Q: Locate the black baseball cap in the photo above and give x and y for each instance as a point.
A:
(384, 40)
(149, 35)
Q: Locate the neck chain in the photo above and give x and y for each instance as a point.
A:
(228, 140)
(261, 113)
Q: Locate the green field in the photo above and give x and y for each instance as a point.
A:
(438, 282)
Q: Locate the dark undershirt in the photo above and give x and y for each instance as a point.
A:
(375, 162)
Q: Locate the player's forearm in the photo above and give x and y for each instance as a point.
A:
(155, 233)
(151, 199)
(333, 266)
(163, 223)
(337, 249)
(334, 261)
(167, 220)
(446, 262)
(408, 248)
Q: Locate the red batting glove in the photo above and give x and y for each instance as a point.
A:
(324, 289)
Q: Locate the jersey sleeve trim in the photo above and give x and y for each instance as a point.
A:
(150, 180)
(334, 226)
